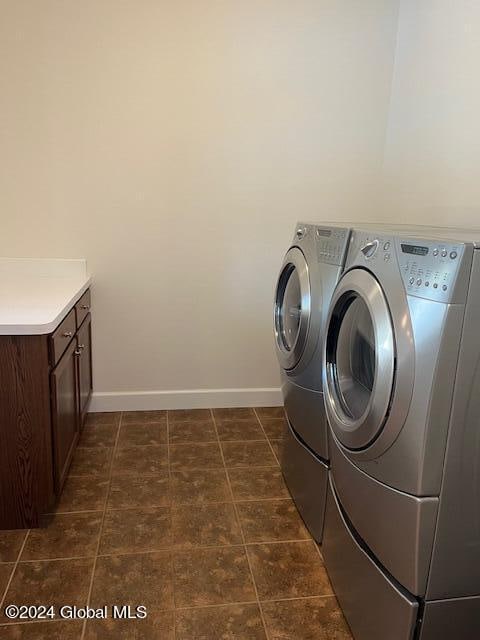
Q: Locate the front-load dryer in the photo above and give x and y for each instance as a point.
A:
(401, 385)
(308, 276)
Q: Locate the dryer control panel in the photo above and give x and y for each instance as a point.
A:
(429, 268)
(332, 244)
(435, 269)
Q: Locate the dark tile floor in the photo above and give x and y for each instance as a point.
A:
(186, 513)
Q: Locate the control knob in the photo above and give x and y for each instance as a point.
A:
(370, 249)
(301, 231)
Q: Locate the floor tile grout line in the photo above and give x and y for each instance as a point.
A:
(100, 533)
(189, 442)
(167, 548)
(185, 467)
(239, 522)
(169, 470)
(244, 602)
(186, 504)
(14, 568)
(259, 466)
(269, 437)
(217, 604)
(195, 503)
(139, 423)
(265, 434)
(172, 577)
(57, 559)
(28, 622)
(275, 499)
(51, 514)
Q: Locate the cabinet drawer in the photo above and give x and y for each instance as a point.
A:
(61, 337)
(82, 308)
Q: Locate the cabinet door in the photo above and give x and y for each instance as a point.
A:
(64, 413)
(84, 353)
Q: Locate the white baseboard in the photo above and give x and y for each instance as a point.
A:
(184, 399)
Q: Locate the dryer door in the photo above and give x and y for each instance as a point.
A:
(292, 309)
(359, 360)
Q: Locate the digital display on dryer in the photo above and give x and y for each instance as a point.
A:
(414, 249)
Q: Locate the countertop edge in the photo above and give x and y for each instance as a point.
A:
(49, 327)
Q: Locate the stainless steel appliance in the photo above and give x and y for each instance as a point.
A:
(402, 394)
(308, 275)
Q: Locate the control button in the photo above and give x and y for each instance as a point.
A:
(427, 284)
(386, 257)
(453, 255)
(412, 280)
(419, 281)
(386, 246)
(435, 285)
(444, 287)
(435, 252)
(444, 253)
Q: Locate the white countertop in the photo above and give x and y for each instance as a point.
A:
(37, 293)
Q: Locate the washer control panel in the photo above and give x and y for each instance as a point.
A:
(429, 268)
(331, 244)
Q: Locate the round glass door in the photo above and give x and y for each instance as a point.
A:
(359, 360)
(355, 358)
(292, 308)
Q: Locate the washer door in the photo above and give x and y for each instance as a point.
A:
(359, 360)
(292, 308)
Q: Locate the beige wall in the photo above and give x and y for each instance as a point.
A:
(174, 144)
(432, 152)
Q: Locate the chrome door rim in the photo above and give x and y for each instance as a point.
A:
(294, 259)
(360, 433)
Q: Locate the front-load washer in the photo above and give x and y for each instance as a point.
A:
(308, 275)
(401, 385)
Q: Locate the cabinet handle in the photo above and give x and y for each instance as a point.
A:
(68, 334)
(85, 307)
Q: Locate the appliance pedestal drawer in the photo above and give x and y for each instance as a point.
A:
(306, 477)
(374, 606)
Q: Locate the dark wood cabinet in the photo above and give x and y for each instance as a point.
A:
(62, 337)
(65, 413)
(26, 478)
(82, 308)
(84, 360)
(45, 389)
